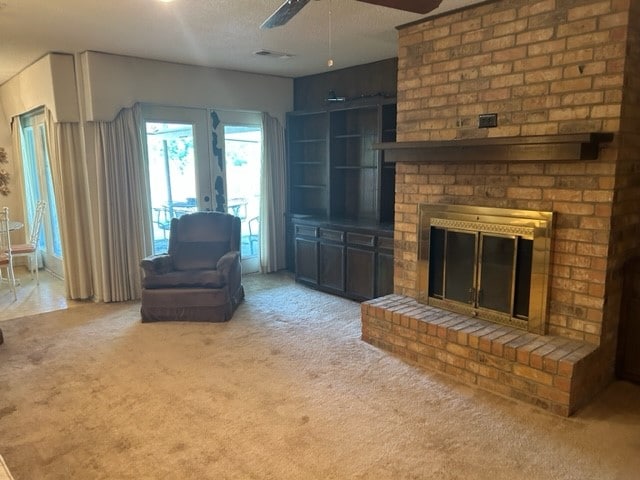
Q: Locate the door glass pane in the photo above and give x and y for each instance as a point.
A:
(38, 185)
(460, 266)
(436, 262)
(172, 174)
(496, 273)
(523, 278)
(51, 228)
(243, 150)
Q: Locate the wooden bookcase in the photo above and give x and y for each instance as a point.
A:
(341, 198)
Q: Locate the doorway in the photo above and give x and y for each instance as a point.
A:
(178, 164)
(182, 169)
(243, 158)
(38, 185)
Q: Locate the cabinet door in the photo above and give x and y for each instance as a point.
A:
(360, 272)
(332, 266)
(306, 260)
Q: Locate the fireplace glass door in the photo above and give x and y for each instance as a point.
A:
(491, 263)
(483, 271)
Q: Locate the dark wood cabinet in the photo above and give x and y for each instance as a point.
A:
(354, 260)
(341, 197)
(361, 268)
(331, 266)
(306, 254)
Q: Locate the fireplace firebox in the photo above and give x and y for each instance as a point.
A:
(490, 263)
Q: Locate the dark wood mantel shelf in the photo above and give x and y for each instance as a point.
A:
(572, 147)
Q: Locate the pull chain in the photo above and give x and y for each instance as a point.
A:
(330, 61)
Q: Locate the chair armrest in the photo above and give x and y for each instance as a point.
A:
(157, 264)
(228, 262)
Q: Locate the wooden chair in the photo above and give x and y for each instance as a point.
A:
(6, 258)
(30, 249)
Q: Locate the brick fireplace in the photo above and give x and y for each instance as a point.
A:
(549, 69)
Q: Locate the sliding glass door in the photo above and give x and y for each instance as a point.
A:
(38, 185)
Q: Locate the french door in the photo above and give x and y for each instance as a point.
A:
(182, 170)
(242, 133)
(38, 185)
(179, 166)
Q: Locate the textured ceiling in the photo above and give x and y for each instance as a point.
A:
(216, 33)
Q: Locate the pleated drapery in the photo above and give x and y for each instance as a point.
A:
(69, 177)
(273, 196)
(122, 225)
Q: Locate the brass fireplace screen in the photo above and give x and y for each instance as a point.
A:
(491, 263)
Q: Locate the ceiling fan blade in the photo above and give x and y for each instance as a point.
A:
(285, 13)
(415, 6)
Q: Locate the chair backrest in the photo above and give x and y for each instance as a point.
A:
(5, 237)
(198, 240)
(36, 224)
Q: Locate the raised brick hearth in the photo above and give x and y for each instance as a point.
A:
(546, 370)
(546, 67)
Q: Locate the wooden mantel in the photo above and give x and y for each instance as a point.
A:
(571, 147)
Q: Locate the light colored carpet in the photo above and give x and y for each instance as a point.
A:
(285, 390)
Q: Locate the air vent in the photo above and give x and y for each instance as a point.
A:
(272, 54)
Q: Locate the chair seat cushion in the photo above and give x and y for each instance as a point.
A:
(186, 279)
(20, 248)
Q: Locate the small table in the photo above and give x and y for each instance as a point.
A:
(235, 205)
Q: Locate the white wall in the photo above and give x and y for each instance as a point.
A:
(14, 199)
(112, 82)
(50, 82)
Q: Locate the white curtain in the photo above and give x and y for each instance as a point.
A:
(123, 228)
(69, 176)
(273, 195)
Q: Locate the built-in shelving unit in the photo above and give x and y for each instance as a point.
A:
(335, 171)
(308, 150)
(341, 198)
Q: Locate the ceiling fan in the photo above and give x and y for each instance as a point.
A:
(290, 8)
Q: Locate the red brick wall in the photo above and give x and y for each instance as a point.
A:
(545, 67)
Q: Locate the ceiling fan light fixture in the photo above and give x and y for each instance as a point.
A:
(284, 13)
(414, 6)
